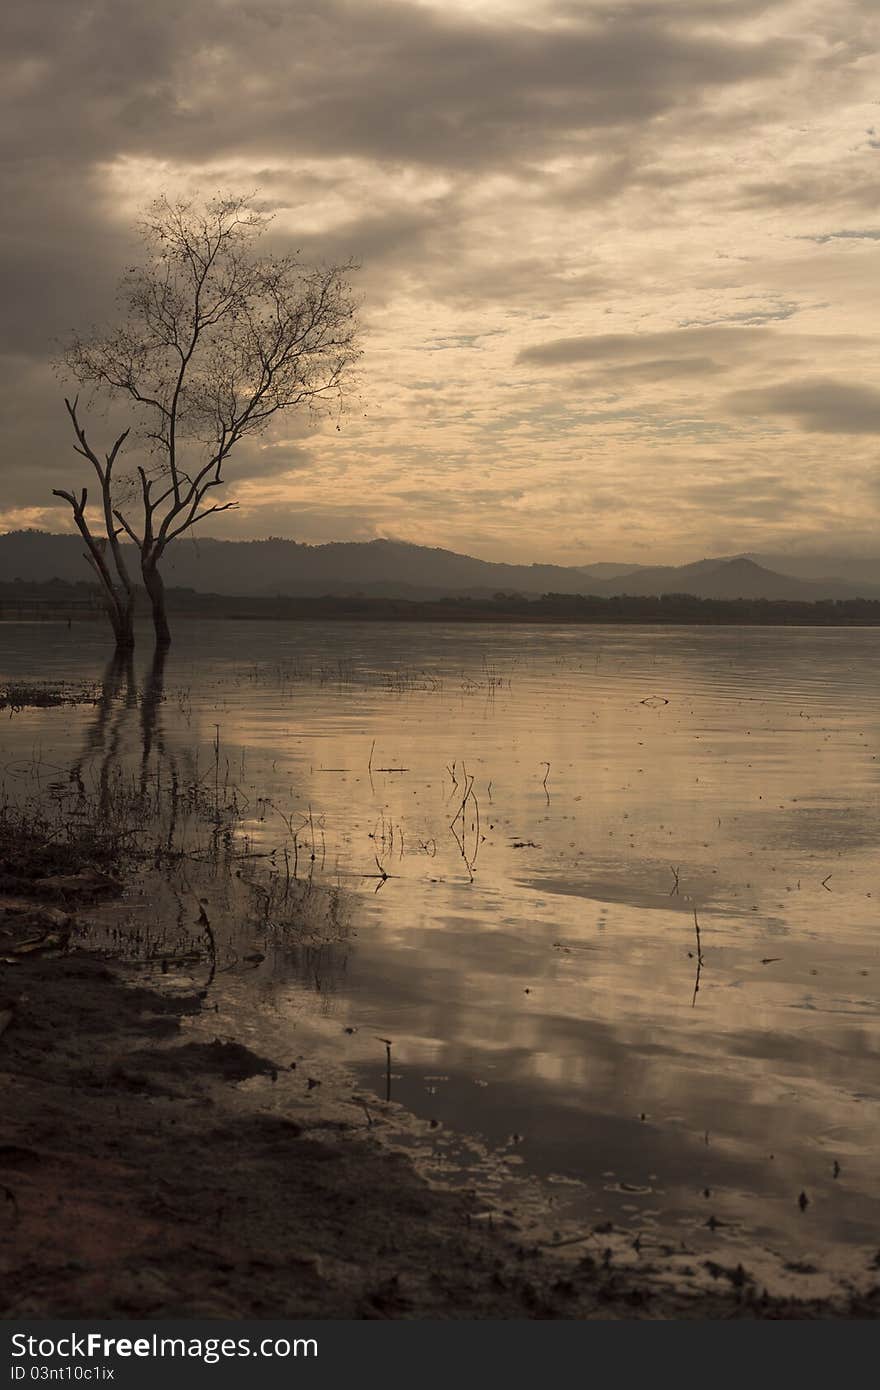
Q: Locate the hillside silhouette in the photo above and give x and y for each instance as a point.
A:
(396, 569)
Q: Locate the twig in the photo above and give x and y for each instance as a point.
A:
(387, 1042)
(699, 959)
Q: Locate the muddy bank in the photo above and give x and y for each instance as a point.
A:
(145, 1173)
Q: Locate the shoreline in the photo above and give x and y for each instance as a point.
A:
(149, 1168)
(668, 610)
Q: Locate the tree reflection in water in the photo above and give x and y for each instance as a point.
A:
(138, 791)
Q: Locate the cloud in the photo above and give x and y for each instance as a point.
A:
(588, 234)
(768, 313)
(657, 369)
(603, 347)
(822, 238)
(392, 81)
(850, 181)
(304, 521)
(820, 404)
(758, 495)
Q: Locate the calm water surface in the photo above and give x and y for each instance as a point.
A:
(532, 953)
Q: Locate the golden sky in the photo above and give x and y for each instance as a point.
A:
(618, 260)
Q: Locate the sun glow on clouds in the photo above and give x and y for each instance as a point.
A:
(605, 251)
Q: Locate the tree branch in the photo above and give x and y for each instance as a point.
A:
(105, 478)
(200, 516)
(128, 529)
(215, 342)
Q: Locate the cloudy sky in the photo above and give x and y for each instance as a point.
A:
(619, 261)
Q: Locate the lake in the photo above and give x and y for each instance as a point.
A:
(610, 892)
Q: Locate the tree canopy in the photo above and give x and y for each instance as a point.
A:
(213, 341)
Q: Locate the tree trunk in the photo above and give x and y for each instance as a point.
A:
(118, 603)
(123, 627)
(122, 616)
(156, 590)
(120, 611)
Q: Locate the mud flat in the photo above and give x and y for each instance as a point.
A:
(149, 1169)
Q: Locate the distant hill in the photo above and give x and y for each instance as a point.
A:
(824, 567)
(732, 579)
(385, 568)
(396, 569)
(606, 569)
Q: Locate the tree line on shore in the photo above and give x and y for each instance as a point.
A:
(62, 598)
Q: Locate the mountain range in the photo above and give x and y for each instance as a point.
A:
(397, 569)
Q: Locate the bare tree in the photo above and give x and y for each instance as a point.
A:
(215, 340)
